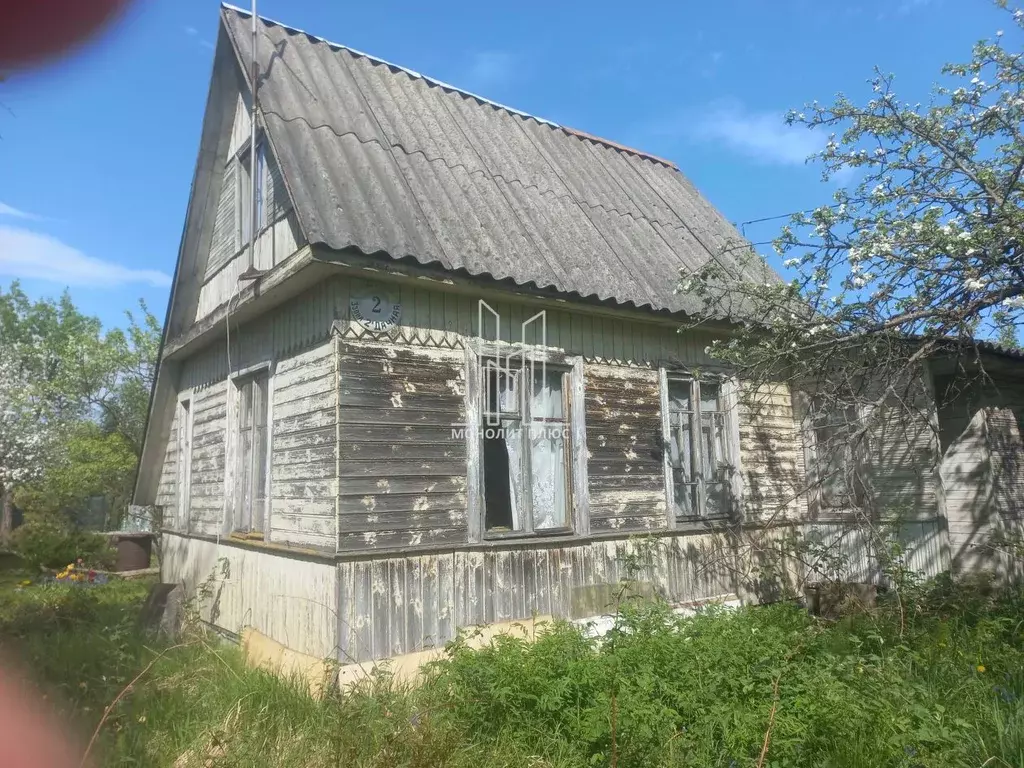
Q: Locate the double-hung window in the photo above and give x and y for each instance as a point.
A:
(697, 455)
(525, 446)
(249, 503)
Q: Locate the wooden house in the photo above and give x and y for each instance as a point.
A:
(448, 386)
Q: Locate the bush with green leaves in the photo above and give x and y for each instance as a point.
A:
(50, 541)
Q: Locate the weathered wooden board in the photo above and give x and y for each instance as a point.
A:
(625, 471)
(402, 472)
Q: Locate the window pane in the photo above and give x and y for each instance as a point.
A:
(685, 495)
(259, 459)
(681, 446)
(245, 405)
(709, 392)
(503, 480)
(244, 480)
(549, 479)
(261, 170)
(501, 393)
(715, 499)
(244, 200)
(712, 445)
(546, 400)
(679, 396)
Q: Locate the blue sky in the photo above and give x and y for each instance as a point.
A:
(97, 151)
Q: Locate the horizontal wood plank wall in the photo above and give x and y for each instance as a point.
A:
(402, 462)
(394, 605)
(167, 491)
(297, 329)
(925, 545)
(304, 449)
(903, 452)
(209, 420)
(432, 318)
(275, 244)
(624, 439)
(771, 454)
(292, 601)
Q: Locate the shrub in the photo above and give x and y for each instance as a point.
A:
(49, 541)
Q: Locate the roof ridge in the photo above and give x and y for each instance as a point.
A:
(448, 86)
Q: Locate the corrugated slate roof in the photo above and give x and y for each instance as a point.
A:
(388, 162)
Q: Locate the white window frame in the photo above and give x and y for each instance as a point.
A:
(234, 523)
(728, 406)
(578, 517)
(810, 424)
(183, 479)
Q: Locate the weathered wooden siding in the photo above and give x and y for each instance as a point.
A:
(771, 457)
(983, 482)
(227, 258)
(903, 453)
(434, 318)
(395, 605)
(276, 243)
(304, 449)
(167, 492)
(853, 549)
(624, 438)
(402, 464)
(293, 601)
(209, 425)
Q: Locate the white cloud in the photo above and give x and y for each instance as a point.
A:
(193, 32)
(763, 136)
(9, 210)
(28, 254)
(490, 68)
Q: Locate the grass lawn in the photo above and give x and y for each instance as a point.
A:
(761, 686)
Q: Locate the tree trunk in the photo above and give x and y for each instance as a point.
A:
(7, 518)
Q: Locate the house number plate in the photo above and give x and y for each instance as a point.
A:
(376, 310)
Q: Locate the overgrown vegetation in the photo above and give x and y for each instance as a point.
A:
(942, 685)
(73, 400)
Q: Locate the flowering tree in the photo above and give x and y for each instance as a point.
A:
(923, 255)
(22, 441)
(73, 402)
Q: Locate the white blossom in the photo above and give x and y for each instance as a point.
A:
(975, 284)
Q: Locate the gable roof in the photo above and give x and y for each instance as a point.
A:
(393, 164)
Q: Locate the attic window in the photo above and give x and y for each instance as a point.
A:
(244, 196)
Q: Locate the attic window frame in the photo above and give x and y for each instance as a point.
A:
(243, 192)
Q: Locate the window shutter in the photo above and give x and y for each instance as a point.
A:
(223, 246)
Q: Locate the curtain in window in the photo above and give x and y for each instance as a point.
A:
(508, 402)
(547, 452)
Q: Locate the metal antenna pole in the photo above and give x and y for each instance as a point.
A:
(253, 162)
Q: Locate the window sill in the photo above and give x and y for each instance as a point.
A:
(494, 535)
(246, 535)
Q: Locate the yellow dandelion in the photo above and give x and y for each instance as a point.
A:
(981, 667)
(26, 583)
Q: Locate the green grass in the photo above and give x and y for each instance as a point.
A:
(660, 690)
